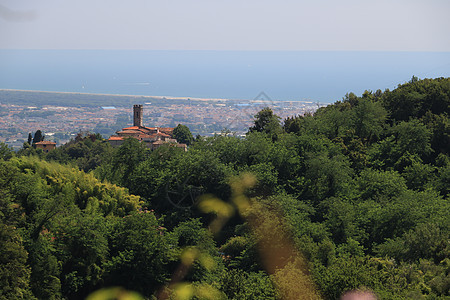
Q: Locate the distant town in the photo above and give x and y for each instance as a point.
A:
(23, 112)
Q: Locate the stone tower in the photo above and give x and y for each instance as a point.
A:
(138, 115)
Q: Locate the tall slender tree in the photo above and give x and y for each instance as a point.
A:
(38, 137)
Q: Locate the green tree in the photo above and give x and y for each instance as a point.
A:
(85, 250)
(332, 121)
(139, 254)
(87, 152)
(239, 284)
(293, 124)
(418, 175)
(123, 162)
(14, 272)
(349, 273)
(46, 269)
(440, 128)
(414, 79)
(425, 241)
(413, 137)
(380, 186)
(38, 137)
(342, 221)
(369, 119)
(266, 121)
(191, 235)
(5, 151)
(326, 177)
(408, 141)
(415, 98)
(183, 135)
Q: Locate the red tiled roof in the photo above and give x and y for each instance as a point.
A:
(147, 136)
(45, 143)
(162, 134)
(129, 131)
(142, 132)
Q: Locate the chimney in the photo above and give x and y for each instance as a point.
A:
(138, 113)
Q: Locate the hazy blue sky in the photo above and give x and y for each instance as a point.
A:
(391, 25)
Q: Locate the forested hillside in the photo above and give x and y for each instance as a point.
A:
(354, 196)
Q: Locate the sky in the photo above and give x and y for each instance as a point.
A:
(293, 25)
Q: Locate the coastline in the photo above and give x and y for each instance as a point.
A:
(155, 97)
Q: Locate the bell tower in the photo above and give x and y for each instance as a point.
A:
(138, 115)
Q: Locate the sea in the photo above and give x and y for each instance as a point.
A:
(319, 76)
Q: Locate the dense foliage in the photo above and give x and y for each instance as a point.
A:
(353, 196)
(183, 135)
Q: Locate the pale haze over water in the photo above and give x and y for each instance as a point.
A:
(324, 76)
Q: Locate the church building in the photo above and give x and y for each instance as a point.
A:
(153, 137)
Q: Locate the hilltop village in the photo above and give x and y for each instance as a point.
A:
(153, 137)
